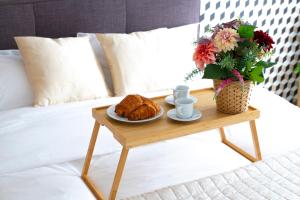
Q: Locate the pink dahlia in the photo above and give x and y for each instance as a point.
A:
(204, 53)
(226, 39)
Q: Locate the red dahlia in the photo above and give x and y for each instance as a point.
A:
(264, 40)
(204, 53)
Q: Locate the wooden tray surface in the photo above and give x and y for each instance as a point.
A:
(131, 135)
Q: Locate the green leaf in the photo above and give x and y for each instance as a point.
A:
(256, 74)
(246, 31)
(297, 69)
(213, 71)
(244, 43)
(248, 65)
(265, 64)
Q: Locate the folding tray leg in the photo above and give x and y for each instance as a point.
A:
(98, 194)
(241, 151)
(255, 139)
(118, 174)
(87, 162)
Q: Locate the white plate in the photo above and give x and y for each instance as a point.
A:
(111, 113)
(172, 114)
(170, 99)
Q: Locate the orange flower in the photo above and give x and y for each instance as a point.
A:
(204, 53)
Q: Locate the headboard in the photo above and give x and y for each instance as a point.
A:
(63, 18)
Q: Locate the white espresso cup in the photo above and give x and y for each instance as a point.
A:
(181, 91)
(184, 108)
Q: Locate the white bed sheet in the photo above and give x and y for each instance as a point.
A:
(273, 178)
(32, 137)
(179, 160)
(27, 141)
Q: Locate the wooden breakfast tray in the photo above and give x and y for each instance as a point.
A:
(130, 135)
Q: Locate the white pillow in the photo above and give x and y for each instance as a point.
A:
(15, 90)
(153, 60)
(61, 70)
(99, 52)
(136, 61)
(179, 46)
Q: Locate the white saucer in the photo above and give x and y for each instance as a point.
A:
(170, 99)
(196, 115)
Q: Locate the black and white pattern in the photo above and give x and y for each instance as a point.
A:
(281, 19)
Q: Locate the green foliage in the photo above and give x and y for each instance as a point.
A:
(227, 61)
(265, 64)
(246, 31)
(247, 57)
(256, 74)
(192, 74)
(213, 71)
(249, 54)
(297, 69)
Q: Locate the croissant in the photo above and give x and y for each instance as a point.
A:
(128, 104)
(136, 107)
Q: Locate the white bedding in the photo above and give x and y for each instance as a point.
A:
(32, 137)
(35, 137)
(276, 178)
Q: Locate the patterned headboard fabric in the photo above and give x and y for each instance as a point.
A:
(62, 18)
(281, 18)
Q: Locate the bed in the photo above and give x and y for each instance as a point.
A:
(42, 149)
(250, 182)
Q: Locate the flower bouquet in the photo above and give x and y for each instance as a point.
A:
(233, 55)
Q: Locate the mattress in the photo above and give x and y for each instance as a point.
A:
(147, 168)
(275, 178)
(42, 150)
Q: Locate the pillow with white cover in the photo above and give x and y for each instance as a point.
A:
(151, 60)
(135, 61)
(98, 50)
(61, 70)
(15, 90)
(180, 46)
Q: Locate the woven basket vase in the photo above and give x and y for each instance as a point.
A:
(232, 99)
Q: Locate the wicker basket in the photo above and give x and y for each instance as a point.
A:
(232, 99)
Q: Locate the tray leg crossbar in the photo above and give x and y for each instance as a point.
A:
(241, 151)
(92, 187)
